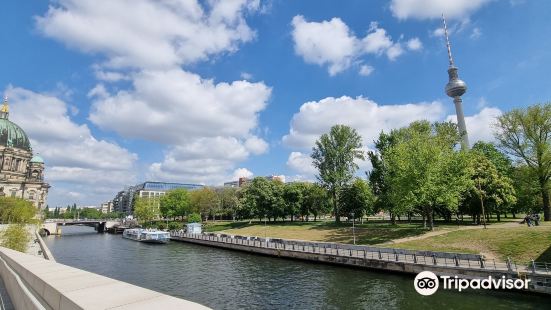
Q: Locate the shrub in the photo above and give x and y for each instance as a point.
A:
(194, 218)
(173, 226)
(16, 237)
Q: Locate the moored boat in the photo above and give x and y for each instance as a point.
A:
(146, 235)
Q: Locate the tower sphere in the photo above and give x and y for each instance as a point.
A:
(455, 87)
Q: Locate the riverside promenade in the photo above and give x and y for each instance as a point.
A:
(33, 282)
(378, 258)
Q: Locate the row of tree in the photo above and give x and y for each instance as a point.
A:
(417, 170)
(261, 198)
(420, 169)
(72, 212)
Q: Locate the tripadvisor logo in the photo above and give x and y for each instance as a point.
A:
(426, 283)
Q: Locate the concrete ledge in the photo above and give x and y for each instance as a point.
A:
(20, 295)
(45, 250)
(58, 286)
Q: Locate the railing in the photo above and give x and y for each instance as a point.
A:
(456, 260)
(538, 267)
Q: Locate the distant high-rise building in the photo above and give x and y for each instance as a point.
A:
(455, 89)
(107, 207)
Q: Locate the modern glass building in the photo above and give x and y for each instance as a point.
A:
(123, 202)
(163, 186)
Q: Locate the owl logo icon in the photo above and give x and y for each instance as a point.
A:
(426, 283)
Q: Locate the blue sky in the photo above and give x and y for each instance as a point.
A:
(113, 93)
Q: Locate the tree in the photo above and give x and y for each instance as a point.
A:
(500, 161)
(16, 210)
(175, 202)
(356, 199)
(145, 209)
(293, 196)
(334, 156)
(315, 201)
(229, 201)
(527, 191)
(425, 172)
(490, 192)
(264, 198)
(205, 201)
(526, 134)
(378, 176)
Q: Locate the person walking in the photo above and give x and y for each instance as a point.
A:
(536, 218)
(528, 220)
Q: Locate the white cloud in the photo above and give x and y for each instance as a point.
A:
(149, 33)
(476, 33)
(110, 76)
(438, 32)
(173, 105)
(207, 127)
(426, 9)
(366, 70)
(242, 173)
(369, 118)
(332, 44)
(480, 125)
(301, 163)
(246, 76)
(414, 44)
(205, 165)
(256, 145)
(75, 159)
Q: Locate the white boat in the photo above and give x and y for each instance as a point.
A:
(146, 235)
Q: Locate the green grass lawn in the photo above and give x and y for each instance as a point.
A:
(521, 243)
(371, 232)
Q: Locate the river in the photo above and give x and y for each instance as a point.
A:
(223, 279)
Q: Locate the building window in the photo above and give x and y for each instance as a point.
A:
(13, 193)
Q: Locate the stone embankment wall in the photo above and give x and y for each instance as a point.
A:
(391, 260)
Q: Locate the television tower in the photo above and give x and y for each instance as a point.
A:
(455, 89)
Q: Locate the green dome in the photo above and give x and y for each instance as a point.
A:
(37, 159)
(12, 135)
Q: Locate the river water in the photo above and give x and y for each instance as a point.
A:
(223, 279)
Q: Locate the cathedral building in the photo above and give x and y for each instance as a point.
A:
(21, 173)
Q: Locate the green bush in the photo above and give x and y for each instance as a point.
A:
(194, 218)
(16, 210)
(173, 226)
(161, 225)
(16, 237)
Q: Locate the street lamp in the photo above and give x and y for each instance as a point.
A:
(353, 229)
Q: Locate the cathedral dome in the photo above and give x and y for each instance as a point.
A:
(12, 135)
(37, 159)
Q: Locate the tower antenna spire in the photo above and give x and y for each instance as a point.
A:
(447, 41)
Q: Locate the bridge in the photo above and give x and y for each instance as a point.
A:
(51, 227)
